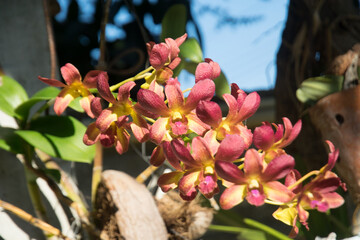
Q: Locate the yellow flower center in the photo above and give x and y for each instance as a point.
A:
(254, 184)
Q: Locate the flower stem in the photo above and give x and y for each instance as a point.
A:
(265, 228)
(252, 223)
(97, 170)
(138, 76)
(315, 172)
(32, 220)
(141, 178)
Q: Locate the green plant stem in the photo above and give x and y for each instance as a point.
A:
(34, 221)
(97, 170)
(265, 228)
(138, 76)
(33, 188)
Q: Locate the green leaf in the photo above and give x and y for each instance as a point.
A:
(44, 94)
(12, 94)
(312, 89)
(59, 136)
(9, 141)
(191, 50)
(222, 85)
(174, 22)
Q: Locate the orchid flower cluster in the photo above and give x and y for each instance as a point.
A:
(200, 144)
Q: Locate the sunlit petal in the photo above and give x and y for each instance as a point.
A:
(169, 181)
(174, 94)
(209, 112)
(85, 104)
(231, 147)
(188, 182)
(230, 172)
(103, 87)
(124, 91)
(70, 74)
(278, 168)
(203, 90)
(150, 101)
(158, 130)
(90, 80)
(232, 196)
(106, 117)
(52, 82)
(276, 191)
(253, 163)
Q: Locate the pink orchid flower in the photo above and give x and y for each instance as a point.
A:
(258, 181)
(176, 119)
(241, 107)
(273, 142)
(199, 164)
(112, 123)
(207, 70)
(73, 88)
(318, 194)
(165, 53)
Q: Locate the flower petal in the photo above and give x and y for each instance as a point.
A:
(278, 168)
(195, 124)
(256, 197)
(91, 78)
(200, 150)
(230, 172)
(208, 186)
(333, 199)
(85, 104)
(181, 39)
(70, 73)
(249, 106)
(263, 137)
(62, 101)
(170, 156)
(211, 142)
(253, 163)
(174, 94)
(158, 130)
(209, 112)
(150, 101)
(157, 156)
(290, 132)
(183, 153)
(139, 127)
(103, 87)
(159, 55)
(188, 182)
(124, 92)
(207, 70)
(122, 143)
(105, 119)
(96, 107)
(276, 191)
(52, 82)
(169, 181)
(91, 135)
(231, 147)
(203, 90)
(233, 107)
(232, 196)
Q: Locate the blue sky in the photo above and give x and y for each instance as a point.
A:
(246, 52)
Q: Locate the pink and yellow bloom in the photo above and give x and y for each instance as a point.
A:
(318, 194)
(113, 122)
(164, 58)
(177, 118)
(272, 143)
(207, 70)
(73, 88)
(197, 171)
(241, 107)
(257, 182)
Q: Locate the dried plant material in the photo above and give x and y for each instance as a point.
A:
(184, 220)
(126, 209)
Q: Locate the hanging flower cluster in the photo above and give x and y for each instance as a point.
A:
(200, 144)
